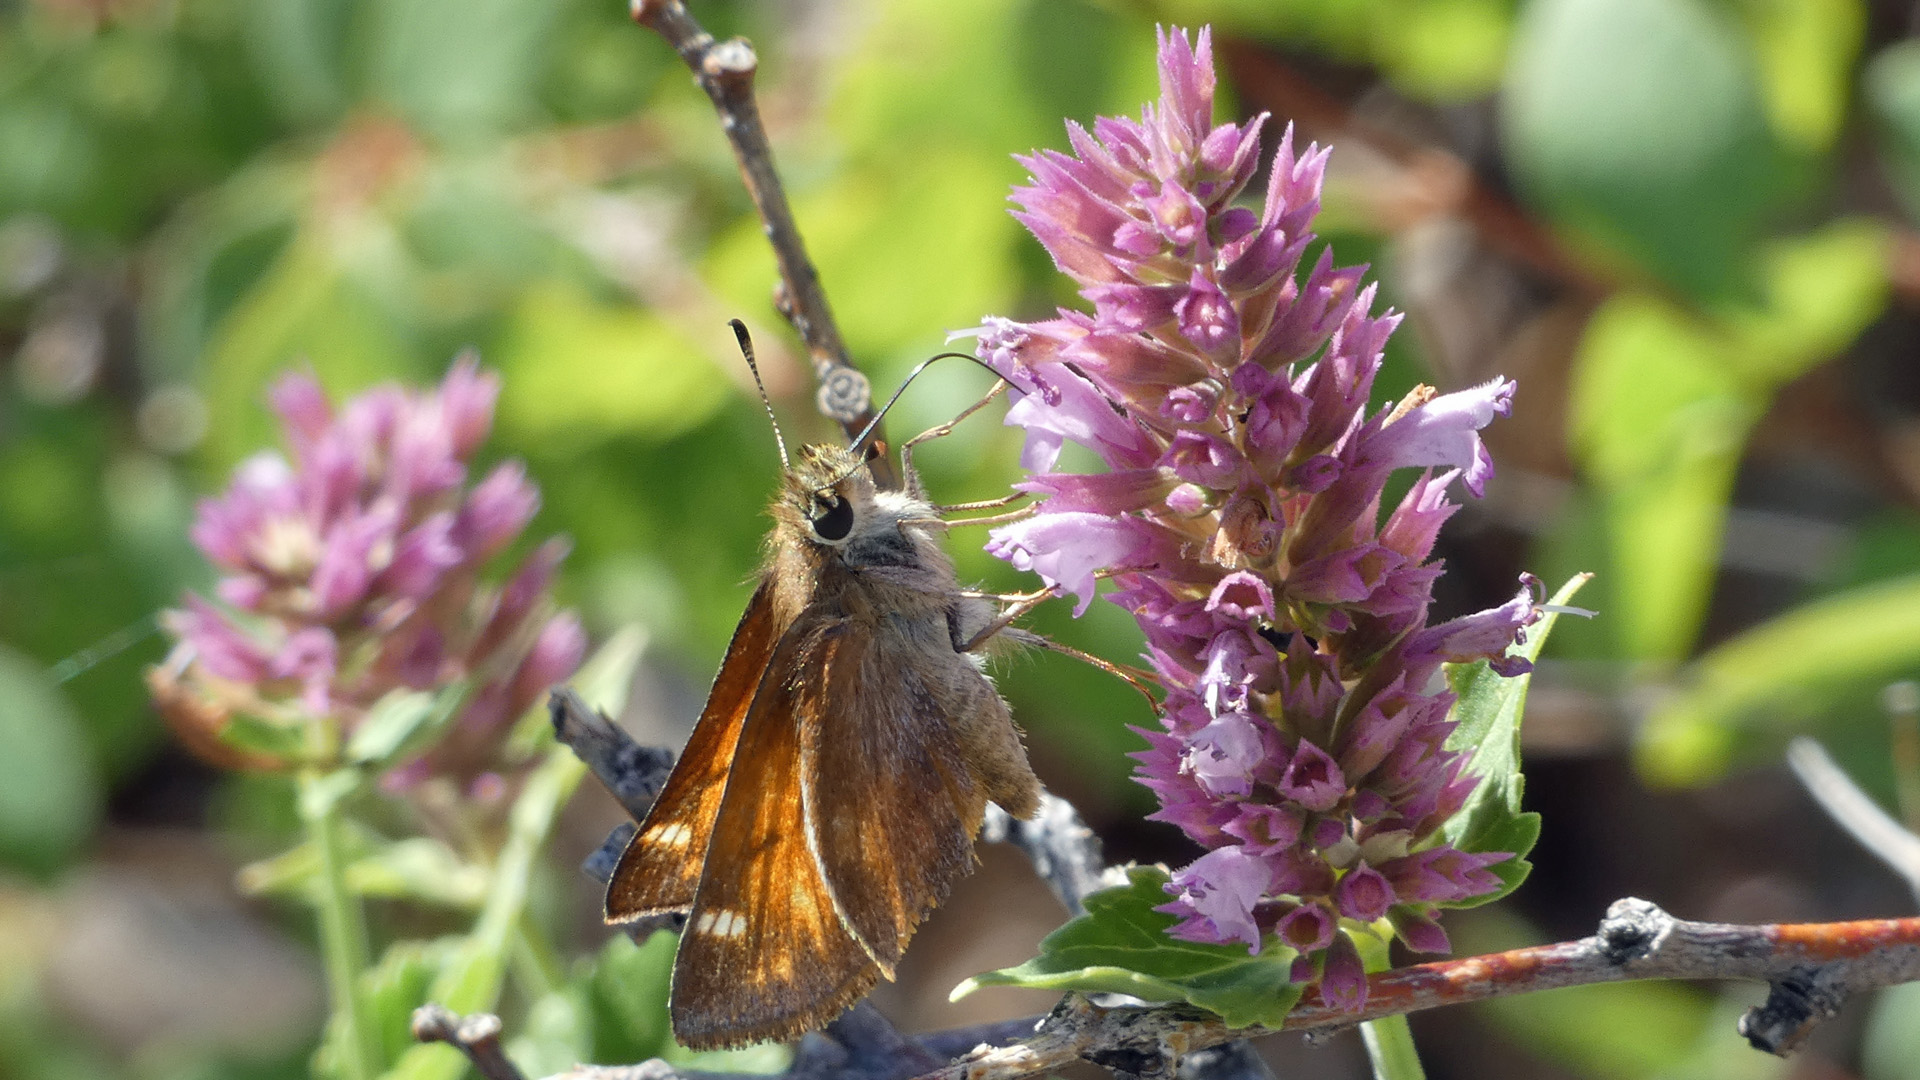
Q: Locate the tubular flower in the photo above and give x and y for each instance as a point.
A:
(1225, 385)
(352, 570)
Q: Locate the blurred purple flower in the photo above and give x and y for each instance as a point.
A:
(354, 570)
(1240, 519)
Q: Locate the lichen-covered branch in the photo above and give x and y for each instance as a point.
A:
(725, 70)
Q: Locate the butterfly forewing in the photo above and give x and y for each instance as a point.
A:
(660, 870)
(892, 842)
(765, 954)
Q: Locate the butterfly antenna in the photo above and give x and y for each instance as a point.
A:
(908, 381)
(746, 350)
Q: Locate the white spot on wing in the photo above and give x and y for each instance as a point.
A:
(726, 924)
(676, 835)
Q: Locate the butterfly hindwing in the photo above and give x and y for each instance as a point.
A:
(892, 844)
(660, 869)
(765, 954)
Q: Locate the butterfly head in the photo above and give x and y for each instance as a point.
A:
(828, 494)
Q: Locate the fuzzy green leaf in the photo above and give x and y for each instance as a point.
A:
(1489, 711)
(1120, 946)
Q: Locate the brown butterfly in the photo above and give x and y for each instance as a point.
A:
(830, 793)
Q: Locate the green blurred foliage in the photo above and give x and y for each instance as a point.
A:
(218, 189)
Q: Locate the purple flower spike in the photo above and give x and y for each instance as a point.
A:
(1216, 895)
(1308, 928)
(1363, 895)
(353, 572)
(1343, 981)
(1223, 377)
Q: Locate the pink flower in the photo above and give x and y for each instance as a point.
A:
(353, 571)
(1225, 383)
(1216, 894)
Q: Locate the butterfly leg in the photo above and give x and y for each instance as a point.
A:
(1021, 603)
(913, 475)
(996, 519)
(1132, 676)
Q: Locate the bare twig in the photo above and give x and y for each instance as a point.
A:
(477, 1036)
(1064, 851)
(1811, 967)
(632, 773)
(1843, 800)
(725, 70)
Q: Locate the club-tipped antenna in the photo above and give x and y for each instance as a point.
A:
(923, 365)
(746, 350)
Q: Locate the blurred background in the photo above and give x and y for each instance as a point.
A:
(1687, 227)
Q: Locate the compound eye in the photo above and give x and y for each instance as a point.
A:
(832, 518)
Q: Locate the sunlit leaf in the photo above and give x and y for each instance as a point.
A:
(1658, 421)
(1806, 50)
(1120, 946)
(1489, 712)
(1780, 672)
(583, 371)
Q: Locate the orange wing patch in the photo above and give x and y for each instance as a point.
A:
(660, 870)
(764, 955)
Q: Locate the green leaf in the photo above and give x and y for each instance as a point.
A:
(1638, 124)
(458, 68)
(1120, 946)
(348, 320)
(397, 985)
(1779, 673)
(630, 998)
(584, 371)
(556, 1035)
(1489, 710)
(1806, 51)
(280, 739)
(418, 868)
(403, 722)
(391, 720)
(869, 234)
(1665, 399)
(49, 794)
(1891, 1044)
(1658, 422)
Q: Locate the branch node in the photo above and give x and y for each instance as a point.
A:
(844, 395)
(1143, 1061)
(476, 1036)
(1632, 930)
(1795, 1004)
(730, 60)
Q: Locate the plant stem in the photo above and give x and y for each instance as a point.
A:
(343, 925)
(1388, 1039)
(535, 964)
(471, 980)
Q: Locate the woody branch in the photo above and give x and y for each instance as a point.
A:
(725, 70)
(1811, 967)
